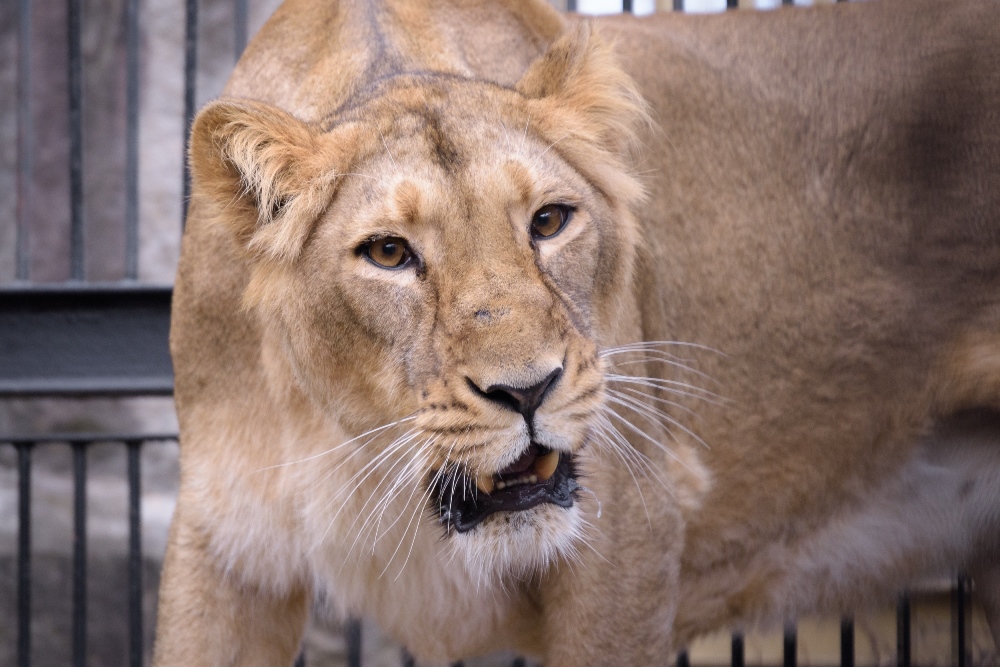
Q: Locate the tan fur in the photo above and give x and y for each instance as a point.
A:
(797, 211)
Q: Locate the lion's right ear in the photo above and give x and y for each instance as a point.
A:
(268, 175)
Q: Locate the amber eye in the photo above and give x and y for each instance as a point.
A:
(389, 252)
(549, 220)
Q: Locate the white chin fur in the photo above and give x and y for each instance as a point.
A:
(519, 545)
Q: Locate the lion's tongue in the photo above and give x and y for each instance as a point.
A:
(524, 463)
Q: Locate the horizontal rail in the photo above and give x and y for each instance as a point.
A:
(85, 340)
(84, 438)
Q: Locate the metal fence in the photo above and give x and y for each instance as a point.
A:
(79, 444)
(80, 338)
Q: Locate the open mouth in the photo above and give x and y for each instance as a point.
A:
(540, 475)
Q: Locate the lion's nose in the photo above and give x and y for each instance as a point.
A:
(520, 399)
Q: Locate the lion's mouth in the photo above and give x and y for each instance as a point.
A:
(540, 475)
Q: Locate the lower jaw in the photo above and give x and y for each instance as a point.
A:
(463, 514)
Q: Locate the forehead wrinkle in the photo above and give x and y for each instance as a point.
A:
(520, 178)
(407, 197)
(485, 233)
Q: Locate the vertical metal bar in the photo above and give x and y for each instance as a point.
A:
(627, 6)
(570, 5)
(788, 2)
(241, 19)
(75, 8)
(301, 660)
(79, 554)
(406, 660)
(738, 651)
(352, 635)
(903, 631)
(683, 660)
(960, 599)
(25, 143)
(732, 4)
(790, 647)
(132, 139)
(24, 554)
(847, 641)
(190, 76)
(678, 5)
(134, 556)
(519, 662)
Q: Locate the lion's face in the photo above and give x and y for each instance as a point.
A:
(447, 297)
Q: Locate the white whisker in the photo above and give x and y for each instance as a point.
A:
(415, 512)
(350, 489)
(638, 431)
(403, 480)
(619, 442)
(659, 416)
(547, 149)
(671, 362)
(632, 392)
(382, 136)
(343, 444)
(654, 344)
(671, 387)
(620, 453)
(352, 485)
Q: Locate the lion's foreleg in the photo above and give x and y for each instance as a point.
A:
(207, 618)
(616, 605)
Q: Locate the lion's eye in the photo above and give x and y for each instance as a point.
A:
(549, 220)
(389, 252)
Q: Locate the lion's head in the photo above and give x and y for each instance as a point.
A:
(442, 261)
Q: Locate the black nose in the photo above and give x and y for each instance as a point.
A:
(520, 399)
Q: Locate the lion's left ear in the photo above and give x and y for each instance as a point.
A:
(579, 77)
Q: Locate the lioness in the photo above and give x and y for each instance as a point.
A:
(583, 338)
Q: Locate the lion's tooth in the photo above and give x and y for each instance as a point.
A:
(485, 483)
(545, 466)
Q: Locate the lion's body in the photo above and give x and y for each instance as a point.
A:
(875, 279)
(822, 224)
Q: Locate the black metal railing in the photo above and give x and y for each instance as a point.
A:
(960, 613)
(79, 444)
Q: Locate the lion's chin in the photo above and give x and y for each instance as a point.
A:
(519, 545)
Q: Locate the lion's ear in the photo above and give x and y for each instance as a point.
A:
(268, 175)
(579, 75)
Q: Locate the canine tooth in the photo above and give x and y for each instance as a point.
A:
(545, 466)
(485, 483)
(501, 485)
(532, 479)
